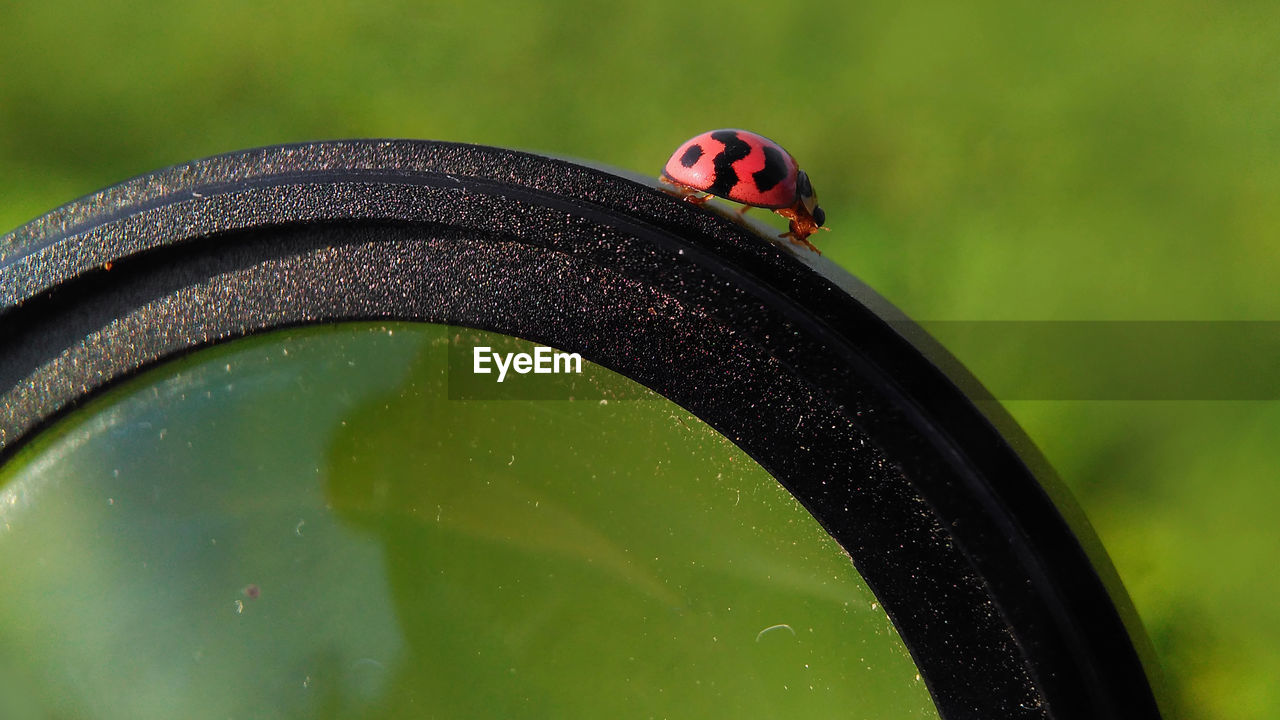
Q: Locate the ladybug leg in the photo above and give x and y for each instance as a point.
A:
(810, 245)
(799, 233)
(743, 210)
(801, 226)
(684, 192)
(799, 240)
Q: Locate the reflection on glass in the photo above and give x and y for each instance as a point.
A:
(303, 524)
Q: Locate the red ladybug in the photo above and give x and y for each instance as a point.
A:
(747, 168)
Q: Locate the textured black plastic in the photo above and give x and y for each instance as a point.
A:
(889, 443)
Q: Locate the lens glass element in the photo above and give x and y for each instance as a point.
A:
(309, 523)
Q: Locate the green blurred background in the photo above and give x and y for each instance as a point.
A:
(985, 161)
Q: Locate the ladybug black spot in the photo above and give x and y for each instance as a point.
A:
(773, 172)
(734, 150)
(691, 156)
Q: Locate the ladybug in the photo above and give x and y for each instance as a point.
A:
(747, 168)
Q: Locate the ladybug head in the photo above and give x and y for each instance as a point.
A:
(804, 189)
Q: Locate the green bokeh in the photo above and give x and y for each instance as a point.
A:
(988, 160)
(304, 524)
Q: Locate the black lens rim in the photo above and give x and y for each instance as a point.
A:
(992, 577)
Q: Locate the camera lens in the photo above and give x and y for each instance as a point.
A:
(277, 440)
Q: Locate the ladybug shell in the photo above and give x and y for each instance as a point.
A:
(736, 164)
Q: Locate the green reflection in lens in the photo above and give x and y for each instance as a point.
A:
(302, 524)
